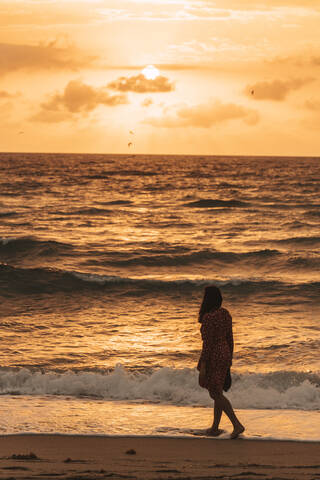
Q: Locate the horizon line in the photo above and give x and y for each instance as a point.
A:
(163, 154)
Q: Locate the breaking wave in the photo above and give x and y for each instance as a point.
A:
(273, 390)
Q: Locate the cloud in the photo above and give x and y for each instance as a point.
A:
(140, 84)
(51, 116)
(76, 98)
(275, 90)
(202, 10)
(261, 4)
(313, 105)
(164, 11)
(303, 59)
(4, 94)
(147, 102)
(41, 57)
(206, 115)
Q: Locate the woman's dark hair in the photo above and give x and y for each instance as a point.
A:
(212, 300)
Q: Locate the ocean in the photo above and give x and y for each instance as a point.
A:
(104, 259)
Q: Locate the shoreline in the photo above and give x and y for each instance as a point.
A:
(40, 415)
(97, 456)
(195, 436)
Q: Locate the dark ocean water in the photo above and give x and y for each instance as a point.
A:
(104, 259)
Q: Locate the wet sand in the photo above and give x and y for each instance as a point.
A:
(92, 457)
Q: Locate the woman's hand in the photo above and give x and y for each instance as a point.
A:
(202, 375)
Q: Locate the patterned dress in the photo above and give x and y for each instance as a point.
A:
(217, 348)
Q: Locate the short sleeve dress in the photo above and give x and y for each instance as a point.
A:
(217, 348)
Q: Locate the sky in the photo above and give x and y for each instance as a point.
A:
(223, 77)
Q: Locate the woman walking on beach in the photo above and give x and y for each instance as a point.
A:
(216, 357)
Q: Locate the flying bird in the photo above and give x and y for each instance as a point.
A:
(130, 144)
(252, 92)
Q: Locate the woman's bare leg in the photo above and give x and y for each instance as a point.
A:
(221, 402)
(214, 431)
(217, 412)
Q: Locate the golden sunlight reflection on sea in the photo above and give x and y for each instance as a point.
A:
(82, 416)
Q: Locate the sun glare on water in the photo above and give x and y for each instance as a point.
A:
(150, 72)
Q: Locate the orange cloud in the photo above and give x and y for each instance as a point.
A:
(140, 84)
(4, 94)
(313, 105)
(206, 115)
(51, 116)
(275, 90)
(260, 5)
(147, 102)
(37, 57)
(299, 60)
(77, 97)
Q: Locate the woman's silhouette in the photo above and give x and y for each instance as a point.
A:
(216, 357)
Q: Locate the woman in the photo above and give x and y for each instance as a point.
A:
(216, 357)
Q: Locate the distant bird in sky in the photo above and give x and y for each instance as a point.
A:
(252, 92)
(130, 144)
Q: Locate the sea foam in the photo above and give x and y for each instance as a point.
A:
(273, 390)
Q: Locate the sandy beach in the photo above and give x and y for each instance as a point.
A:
(92, 457)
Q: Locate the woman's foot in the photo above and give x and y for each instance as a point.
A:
(237, 431)
(214, 432)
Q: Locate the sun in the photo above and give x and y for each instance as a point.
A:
(150, 72)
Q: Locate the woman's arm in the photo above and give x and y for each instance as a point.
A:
(206, 335)
(202, 373)
(230, 333)
(202, 367)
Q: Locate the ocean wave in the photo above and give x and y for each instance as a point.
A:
(90, 211)
(167, 259)
(313, 214)
(212, 203)
(9, 214)
(237, 285)
(27, 247)
(311, 240)
(118, 202)
(47, 280)
(273, 390)
(121, 173)
(311, 262)
(31, 246)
